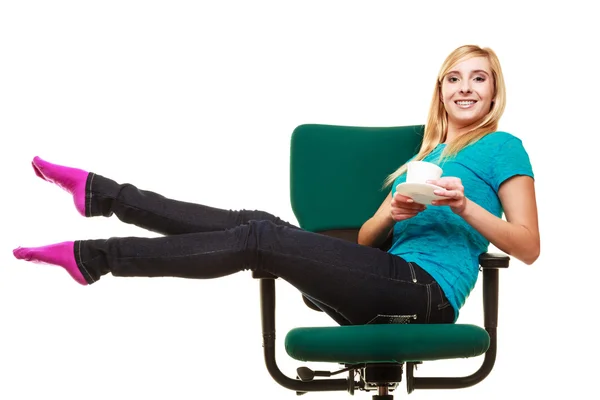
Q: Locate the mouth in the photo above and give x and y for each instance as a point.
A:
(465, 103)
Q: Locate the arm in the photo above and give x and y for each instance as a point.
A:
(379, 227)
(519, 235)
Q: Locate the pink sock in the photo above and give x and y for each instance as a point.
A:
(61, 254)
(72, 180)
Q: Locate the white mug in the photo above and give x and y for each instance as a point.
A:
(422, 171)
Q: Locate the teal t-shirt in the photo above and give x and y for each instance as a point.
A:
(443, 243)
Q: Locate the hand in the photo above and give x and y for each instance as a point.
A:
(403, 207)
(453, 191)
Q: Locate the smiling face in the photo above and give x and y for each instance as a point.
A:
(467, 92)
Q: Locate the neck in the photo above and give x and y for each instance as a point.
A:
(455, 130)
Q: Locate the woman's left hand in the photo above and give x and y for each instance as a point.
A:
(453, 191)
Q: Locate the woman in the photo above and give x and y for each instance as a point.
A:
(427, 273)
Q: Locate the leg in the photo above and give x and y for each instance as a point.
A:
(154, 212)
(355, 283)
(95, 195)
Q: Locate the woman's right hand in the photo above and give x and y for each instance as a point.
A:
(403, 207)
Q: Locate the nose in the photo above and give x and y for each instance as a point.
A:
(465, 86)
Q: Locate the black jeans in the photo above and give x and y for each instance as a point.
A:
(351, 283)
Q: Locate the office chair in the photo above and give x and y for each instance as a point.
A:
(327, 160)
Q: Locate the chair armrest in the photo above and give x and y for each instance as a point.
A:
(262, 275)
(490, 263)
(493, 260)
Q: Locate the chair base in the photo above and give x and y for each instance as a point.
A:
(383, 391)
(382, 377)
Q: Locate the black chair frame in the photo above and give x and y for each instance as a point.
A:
(384, 378)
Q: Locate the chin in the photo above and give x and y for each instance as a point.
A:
(467, 120)
(464, 122)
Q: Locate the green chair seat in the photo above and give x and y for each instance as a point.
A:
(386, 343)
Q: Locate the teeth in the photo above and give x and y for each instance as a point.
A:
(465, 103)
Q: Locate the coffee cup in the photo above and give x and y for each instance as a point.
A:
(422, 171)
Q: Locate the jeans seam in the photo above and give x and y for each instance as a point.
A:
(428, 303)
(412, 271)
(88, 195)
(153, 213)
(123, 203)
(442, 304)
(369, 273)
(173, 256)
(366, 273)
(80, 262)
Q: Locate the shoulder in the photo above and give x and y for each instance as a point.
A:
(498, 146)
(499, 138)
(509, 157)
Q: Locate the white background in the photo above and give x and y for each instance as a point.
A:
(197, 101)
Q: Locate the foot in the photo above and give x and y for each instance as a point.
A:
(73, 180)
(61, 254)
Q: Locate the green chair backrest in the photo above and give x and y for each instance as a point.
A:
(337, 172)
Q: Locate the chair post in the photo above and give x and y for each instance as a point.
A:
(490, 298)
(267, 297)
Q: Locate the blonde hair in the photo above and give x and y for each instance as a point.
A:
(436, 128)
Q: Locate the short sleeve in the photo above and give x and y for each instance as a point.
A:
(511, 160)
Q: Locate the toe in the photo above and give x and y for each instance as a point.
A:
(20, 253)
(37, 167)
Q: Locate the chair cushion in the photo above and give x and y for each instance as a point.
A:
(384, 343)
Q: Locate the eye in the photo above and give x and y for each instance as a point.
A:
(452, 79)
(480, 79)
